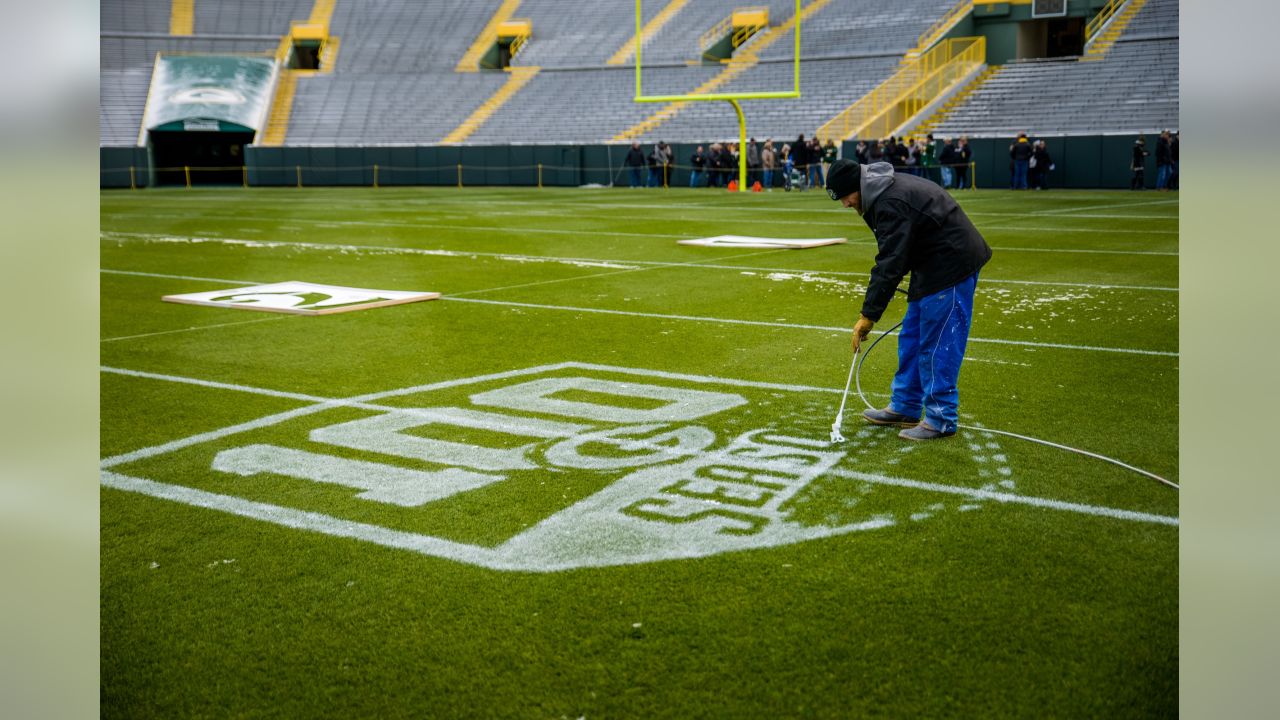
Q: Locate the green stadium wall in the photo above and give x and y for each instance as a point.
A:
(1096, 161)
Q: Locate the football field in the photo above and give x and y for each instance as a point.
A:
(594, 479)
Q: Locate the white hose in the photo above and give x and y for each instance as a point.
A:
(858, 380)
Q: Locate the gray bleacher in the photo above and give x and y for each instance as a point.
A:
(826, 88)
(566, 36)
(248, 17)
(394, 81)
(396, 108)
(134, 16)
(572, 106)
(863, 27)
(1133, 89)
(677, 42)
(1157, 18)
(852, 34)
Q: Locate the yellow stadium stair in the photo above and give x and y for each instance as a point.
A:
(517, 78)
(954, 102)
(1115, 16)
(651, 28)
(287, 84)
(182, 17)
(281, 107)
(733, 68)
(470, 61)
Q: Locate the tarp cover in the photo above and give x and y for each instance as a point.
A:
(210, 92)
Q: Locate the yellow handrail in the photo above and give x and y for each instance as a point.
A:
(907, 91)
(938, 29)
(1106, 13)
(717, 31)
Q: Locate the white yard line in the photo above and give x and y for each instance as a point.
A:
(189, 329)
(979, 494)
(795, 326)
(761, 323)
(1111, 206)
(373, 249)
(495, 230)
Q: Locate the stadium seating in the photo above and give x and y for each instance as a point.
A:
(1133, 89)
(395, 80)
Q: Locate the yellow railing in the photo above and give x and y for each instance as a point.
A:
(717, 31)
(908, 91)
(940, 28)
(1106, 13)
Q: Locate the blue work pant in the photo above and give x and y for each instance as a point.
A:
(930, 349)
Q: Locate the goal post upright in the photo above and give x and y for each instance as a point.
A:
(732, 98)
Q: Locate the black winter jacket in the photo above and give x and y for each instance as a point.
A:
(920, 229)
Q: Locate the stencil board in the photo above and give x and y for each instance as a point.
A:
(742, 241)
(301, 298)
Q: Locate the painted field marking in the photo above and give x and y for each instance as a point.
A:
(797, 326)
(329, 525)
(189, 329)
(977, 493)
(398, 201)
(761, 323)
(459, 254)
(769, 475)
(552, 231)
(695, 263)
(1056, 211)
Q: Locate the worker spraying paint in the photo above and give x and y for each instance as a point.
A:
(920, 229)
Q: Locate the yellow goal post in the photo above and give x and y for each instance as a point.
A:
(732, 98)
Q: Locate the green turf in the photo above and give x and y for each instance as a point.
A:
(957, 606)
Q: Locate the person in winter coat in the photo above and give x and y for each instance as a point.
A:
(1138, 165)
(921, 230)
(635, 164)
(964, 155)
(698, 166)
(1020, 154)
(1042, 164)
(1164, 161)
(769, 161)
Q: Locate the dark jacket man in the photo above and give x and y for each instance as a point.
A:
(919, 229)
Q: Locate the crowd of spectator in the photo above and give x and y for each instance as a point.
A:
(803, 163)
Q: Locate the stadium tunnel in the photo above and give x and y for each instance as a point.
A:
(202, 110)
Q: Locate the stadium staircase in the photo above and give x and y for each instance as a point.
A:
(737, 65)
(915, 86)
(315, 27)
(182, 17)
(1107, 26)
(470, 61)
(956, 100)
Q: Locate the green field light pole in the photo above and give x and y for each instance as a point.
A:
(731, 98)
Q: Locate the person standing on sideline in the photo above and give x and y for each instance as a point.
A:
(1164, 161)
(1020, 153)
(829, 156)
(861, 153)
(919, 228)
(964, 155)
(634, 163)
(753, 163)
(697, 163)
(947, 159)
(768, 159)
(1043, 163)
(1139, 164)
